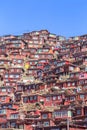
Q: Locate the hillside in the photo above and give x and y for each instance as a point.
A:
(43, 81)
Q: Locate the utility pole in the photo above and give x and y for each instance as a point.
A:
(67, 124)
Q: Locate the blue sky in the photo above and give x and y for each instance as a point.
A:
(62, 17)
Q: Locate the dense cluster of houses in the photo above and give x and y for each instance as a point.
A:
(43, 82)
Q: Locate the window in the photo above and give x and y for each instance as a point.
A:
(3, 49)
(44, 116)
(16, 76)
(60, 113)
(3, 111)
(86, 111)
(1, 62)
(3, 89)
(13, 124)
(11, 70)
(19, 61)
(71, 68)
(25, 99)
(59, 97)
(36, 42)
(64, 113)
(57, 114)
(85, 81)
(54, 97)
(15, 60)
(82, 75)
(18, 70)
(85, 59)
(3, 98)
(46, 123)
(82, 96)
(55, 129)
(4, 117)
(1, 70)
(2, 125)
(8, 62)
(68, 84)
(72, 98)
(47, 98)
(14, 54)
(13, 84)
(57, 70)
(19, 88)
(11, 76)
(10, 106)
(35, 97)
(73, 84)
(81, 82)
(77, 75)
(39, 50)
(64, 129)
(36, 56)
(79, 112)
(14, 116)
(21, 126)
(9, 89)
(16, 45)
(4, 106)
(6, 75)
(31, 63)
(33, 86)
(31, 98)
(30, 71)
(85, 87)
